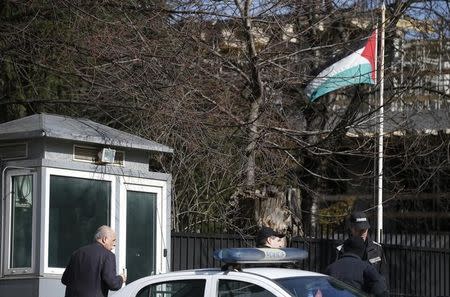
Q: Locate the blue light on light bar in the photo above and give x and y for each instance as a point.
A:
(260, 255)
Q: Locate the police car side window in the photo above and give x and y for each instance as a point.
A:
(182, 288)
(234, 288)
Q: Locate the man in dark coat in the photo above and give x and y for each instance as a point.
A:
(373, 252)
(356, 272)
(91, 271)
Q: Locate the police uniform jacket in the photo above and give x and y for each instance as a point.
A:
(374, 255)
(359, 274)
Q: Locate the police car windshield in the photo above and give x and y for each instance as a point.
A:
(318, 286)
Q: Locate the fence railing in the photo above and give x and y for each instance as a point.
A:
(414, 270)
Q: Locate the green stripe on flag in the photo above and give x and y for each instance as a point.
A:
(361, 74)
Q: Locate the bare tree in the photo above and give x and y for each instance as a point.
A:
(221, 82)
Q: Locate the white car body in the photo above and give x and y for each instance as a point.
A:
(264, 277)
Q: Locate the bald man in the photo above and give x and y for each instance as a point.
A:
(91, 271)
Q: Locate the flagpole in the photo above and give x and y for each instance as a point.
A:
(381, 130)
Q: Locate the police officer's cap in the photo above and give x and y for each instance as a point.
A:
(266, 232)
(359, 220)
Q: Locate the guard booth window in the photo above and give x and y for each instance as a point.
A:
(21, 221)
(78, 206)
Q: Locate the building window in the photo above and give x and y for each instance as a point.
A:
(21, 221)
(78, 203)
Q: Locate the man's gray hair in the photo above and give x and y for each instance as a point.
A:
(102, 231)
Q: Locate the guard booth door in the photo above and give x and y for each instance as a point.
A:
(141, 205)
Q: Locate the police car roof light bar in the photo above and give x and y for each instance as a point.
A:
(260, 255)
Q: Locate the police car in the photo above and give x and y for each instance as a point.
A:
(235, 281)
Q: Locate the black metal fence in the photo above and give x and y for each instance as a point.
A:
(418, 265)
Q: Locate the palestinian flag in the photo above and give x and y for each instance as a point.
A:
(357, 68)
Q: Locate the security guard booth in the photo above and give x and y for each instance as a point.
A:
(62, 178)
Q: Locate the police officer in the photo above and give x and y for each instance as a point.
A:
(269, 238)
(356, 272)
(373, 252)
